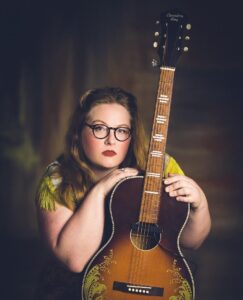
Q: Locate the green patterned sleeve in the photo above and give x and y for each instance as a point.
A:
(47, 196)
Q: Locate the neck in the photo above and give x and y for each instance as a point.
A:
(151, 202)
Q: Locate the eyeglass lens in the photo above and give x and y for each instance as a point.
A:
(102, 131)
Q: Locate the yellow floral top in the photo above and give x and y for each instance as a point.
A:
(55, 281)
(47, 195)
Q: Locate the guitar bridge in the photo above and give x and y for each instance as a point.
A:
(137, 289)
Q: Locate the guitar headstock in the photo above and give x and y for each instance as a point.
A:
(172, 38)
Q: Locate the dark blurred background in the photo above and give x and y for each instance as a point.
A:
(51, 52)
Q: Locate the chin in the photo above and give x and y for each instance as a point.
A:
(107, 166)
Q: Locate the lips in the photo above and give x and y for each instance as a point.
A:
(109, 153)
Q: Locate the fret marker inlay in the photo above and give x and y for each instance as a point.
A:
(151, 174)
(155, 153)
(158, 137)
(163, 98)
(161, 119)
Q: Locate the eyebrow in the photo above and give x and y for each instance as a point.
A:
(100, 121)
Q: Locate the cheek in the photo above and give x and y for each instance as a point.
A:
(124, 148)
(89, 143)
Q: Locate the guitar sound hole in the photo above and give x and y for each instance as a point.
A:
(145, 236)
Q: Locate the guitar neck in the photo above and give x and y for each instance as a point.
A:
(156, 156)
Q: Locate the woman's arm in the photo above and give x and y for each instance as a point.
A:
(199, 223)
(74, 237)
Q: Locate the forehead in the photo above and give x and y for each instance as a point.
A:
(110, 113)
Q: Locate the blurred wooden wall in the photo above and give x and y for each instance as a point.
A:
(53, 52)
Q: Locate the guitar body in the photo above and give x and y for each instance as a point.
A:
(139, 260)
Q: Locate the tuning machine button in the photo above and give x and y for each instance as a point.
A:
(188, 26)
(155, 44)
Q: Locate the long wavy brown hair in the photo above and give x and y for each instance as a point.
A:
(77, 176)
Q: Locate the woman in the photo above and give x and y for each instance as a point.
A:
(105, 143)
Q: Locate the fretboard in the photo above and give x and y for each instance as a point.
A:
(156, 156)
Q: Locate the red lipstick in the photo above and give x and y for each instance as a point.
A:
(109, 153)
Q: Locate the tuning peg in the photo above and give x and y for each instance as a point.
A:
(187, 38)
(157, 22)
(156, 33)
(155, 63)
(155, 44)
(188, 26)
(185, 49)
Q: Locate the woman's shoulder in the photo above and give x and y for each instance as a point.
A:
(47, 190)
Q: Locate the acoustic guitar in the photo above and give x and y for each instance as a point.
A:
(141, 256)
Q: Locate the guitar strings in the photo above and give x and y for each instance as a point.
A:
(143, 233)
(149, 201)
(139, 238)
(142, 242)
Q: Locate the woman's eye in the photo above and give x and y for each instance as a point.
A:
(99, 128)
(123, 130)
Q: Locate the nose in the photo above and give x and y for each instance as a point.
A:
(110, 139)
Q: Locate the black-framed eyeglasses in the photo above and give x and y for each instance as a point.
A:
(101, 131)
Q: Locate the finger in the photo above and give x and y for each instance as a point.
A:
(115, 176)
(121, 174)
(176, 177)
(182, 183)
(186, 198)
(184, 191)
(126, 172)
(129, 170)
(176, 185)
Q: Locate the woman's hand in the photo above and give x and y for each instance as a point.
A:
(107, 182)
(199, 223)
(185, 189)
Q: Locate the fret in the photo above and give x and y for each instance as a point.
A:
(155, 153)
(154, 186)
(163, 99)
(155, 175)
(153, 170)
(167, 68)
(151, 192)
(158, 137)
(161, 119)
